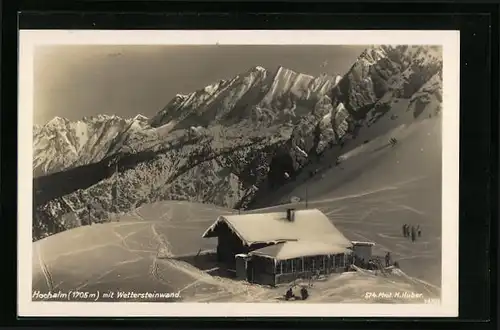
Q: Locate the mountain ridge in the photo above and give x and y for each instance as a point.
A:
(186, 103)
(231, 141)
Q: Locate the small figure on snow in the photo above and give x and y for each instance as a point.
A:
(413, 234)
(419, 231)
(388, 259)
(304, 294)
(405, 230)
(289, 294)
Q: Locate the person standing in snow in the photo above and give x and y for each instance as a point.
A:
(304, 293)
(413, 234)
(404, 230)
(388, 259)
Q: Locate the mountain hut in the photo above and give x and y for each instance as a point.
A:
(279, 247)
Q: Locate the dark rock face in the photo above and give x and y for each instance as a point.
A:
(280, 168)
(229, 142)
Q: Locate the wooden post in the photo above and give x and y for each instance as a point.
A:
(275, 276)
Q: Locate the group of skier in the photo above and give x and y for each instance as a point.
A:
(412, 231)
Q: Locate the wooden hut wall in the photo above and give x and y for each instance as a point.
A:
(363, 252)
(229, 244)
(305, 267)
(262, 271)
(241, 267)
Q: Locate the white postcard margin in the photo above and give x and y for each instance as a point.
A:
(449, 40)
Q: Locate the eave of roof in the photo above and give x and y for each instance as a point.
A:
(221, 219)
(318, 249)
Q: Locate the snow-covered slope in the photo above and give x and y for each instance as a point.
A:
(153, 249)
(375, 189)
(230, 142)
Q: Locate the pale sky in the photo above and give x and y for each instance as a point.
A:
(78, 81)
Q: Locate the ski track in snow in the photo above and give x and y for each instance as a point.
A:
(164, 264)
(45, 270)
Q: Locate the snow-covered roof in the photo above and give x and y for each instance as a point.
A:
(297, 249)
(310, 224)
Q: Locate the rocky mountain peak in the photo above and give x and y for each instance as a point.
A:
(226, 141)
(56, 122)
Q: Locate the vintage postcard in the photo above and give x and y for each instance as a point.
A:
(238, 173)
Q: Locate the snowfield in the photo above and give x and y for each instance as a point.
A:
(401, 185)
(142, 253)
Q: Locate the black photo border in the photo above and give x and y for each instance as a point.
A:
(479, 108)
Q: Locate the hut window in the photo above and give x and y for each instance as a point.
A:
(308, 264)
(279, 267)
(321, 262)
(342, 260)
(296, 265)
(338, 260)
(291, 265)
(287, 266)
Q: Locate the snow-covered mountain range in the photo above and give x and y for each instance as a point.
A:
(226, 143)
(61, 144)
